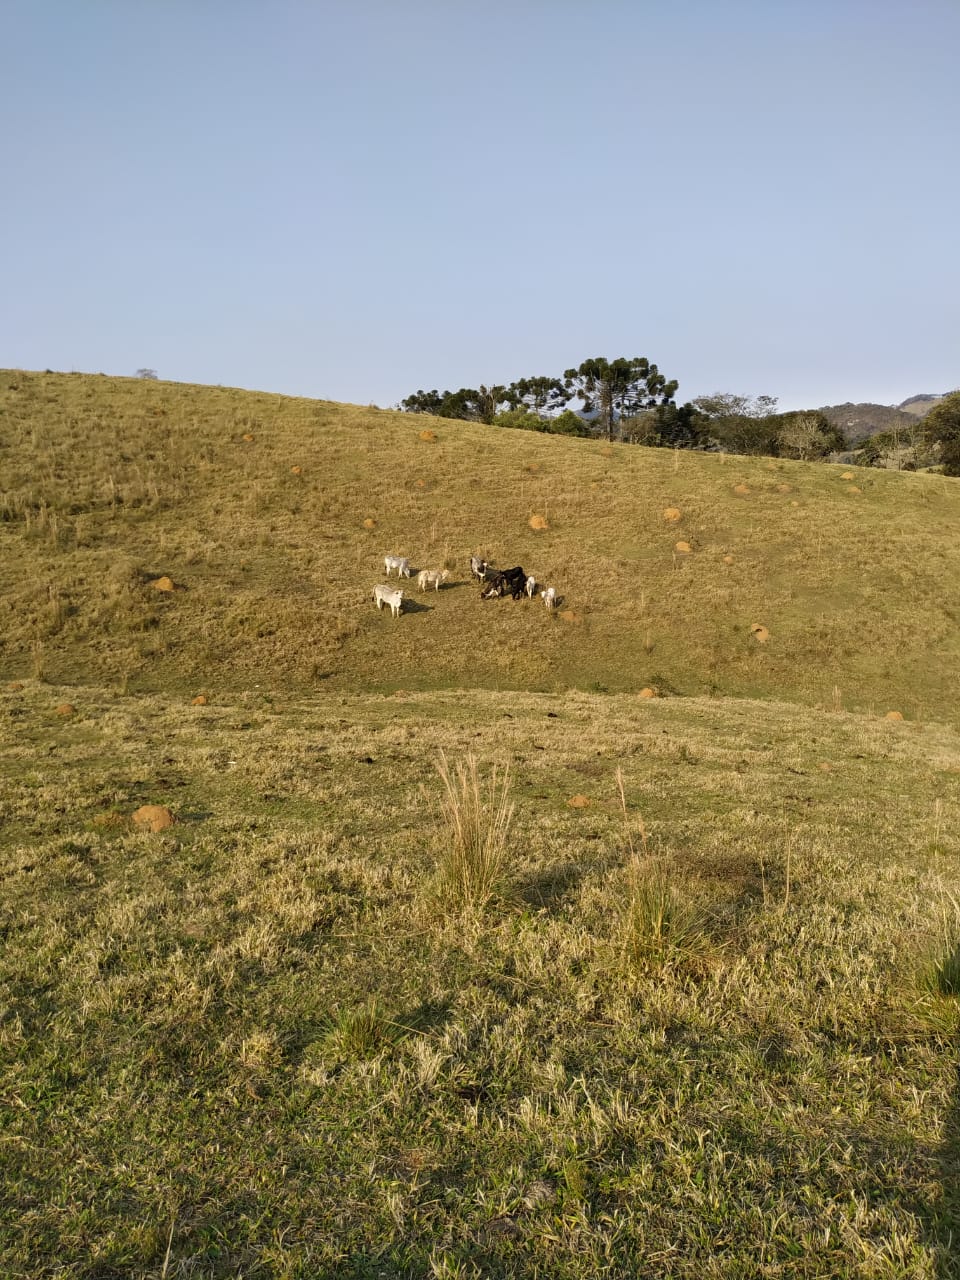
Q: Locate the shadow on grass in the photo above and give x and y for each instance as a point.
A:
(547, 887)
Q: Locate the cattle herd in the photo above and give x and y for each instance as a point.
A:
(495, 583)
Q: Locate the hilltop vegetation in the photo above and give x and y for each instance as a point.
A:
(256, 508)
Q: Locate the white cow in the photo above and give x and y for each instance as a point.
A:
(549, 597)
(383, 594)
(400, 563)
(432, 578)
(531, 587)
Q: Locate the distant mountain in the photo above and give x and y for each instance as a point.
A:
(919, 405)
(858, 421)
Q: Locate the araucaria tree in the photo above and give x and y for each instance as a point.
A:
(612, 390)
(943, 424)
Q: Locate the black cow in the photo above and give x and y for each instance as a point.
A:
(502, 582)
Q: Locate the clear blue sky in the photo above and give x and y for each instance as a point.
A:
(356, 199)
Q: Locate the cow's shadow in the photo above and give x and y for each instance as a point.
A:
(412, 605)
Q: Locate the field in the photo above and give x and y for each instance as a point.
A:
(704, 1025)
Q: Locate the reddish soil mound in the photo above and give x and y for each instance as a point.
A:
(163, 584)
(428, 435)
(672, 514)
(65, 709)
(760, 632)
(153, 817)
(579, 802)
(538, 522)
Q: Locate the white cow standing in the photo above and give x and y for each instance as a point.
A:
(400, 563)
(432, 578)
(383, 594)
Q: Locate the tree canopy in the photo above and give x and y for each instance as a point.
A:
(611, 390)
(943, 424)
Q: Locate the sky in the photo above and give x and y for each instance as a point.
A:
(357, 199)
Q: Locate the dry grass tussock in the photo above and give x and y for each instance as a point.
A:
(475, 821)
(273, 572)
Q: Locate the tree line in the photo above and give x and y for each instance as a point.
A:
(630, 400)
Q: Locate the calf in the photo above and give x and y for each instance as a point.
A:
(550, 598)
(383, 594)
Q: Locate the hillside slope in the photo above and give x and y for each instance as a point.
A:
(271, 516)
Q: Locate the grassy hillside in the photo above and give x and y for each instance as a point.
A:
(271, 516)
(706, 1033)
(707, 1025)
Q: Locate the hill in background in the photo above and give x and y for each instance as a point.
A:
(267, 518)
(859, 421)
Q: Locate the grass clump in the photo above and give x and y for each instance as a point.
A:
(943, 977)
(363, 1031)
(476, 830)
(661, 926)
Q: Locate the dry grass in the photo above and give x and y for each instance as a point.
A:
(475, 841)
(241, 1045)
(100, 497)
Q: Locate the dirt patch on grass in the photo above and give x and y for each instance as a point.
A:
(153, 817)
(672, 514)
(538, 522)
(682, 547)
(759, 632)
(163, 584)
(427, 435)
(579, 802)
(741, 488)
(571, 615)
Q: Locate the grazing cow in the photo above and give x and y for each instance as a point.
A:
(501, 582)
(400, 563)
(531, 587)
(432, 578)
(550, 598)
(479, 568)
(385, 594)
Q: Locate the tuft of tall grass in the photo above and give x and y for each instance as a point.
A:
(476, 830)
(661, 926)
(943, 976)
(364, 1031)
